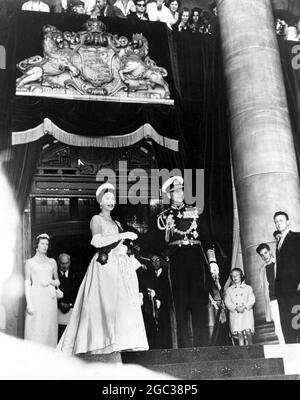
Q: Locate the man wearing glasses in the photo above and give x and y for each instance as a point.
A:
(140, 12)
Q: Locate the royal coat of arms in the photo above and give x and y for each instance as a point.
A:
(93, 64)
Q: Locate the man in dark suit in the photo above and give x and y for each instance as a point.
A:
(140, 13)
(287, 284)
(69, 285)
(154, 284)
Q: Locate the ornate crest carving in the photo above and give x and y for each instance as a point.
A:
(93, 65)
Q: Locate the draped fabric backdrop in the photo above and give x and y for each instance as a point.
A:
(206, 132)
(290, 61)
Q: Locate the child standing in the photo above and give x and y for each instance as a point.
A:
(240, 299)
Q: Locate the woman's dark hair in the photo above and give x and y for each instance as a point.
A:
(171, 1)
(182, 11)
(237, 270)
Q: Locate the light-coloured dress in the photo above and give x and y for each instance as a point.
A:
(238, 295)
(107, 315)
(42, 325)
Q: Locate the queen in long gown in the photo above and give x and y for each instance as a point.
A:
(107, 314)
(41, 280)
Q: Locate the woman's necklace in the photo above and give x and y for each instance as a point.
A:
(41, 258)
(108, 218)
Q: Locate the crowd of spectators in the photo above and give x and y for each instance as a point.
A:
(171, 12)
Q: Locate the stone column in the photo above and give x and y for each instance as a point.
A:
(262, 147)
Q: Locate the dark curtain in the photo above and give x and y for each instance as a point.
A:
(206, 132)
(19, 162)
(291, 73)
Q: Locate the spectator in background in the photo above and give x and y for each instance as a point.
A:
(69, 285)
(239, 300)
(207, 23)
(174, 6)
(35, 5)
(159, 268)
(103, 9)
(287, 283)
(281, 28)
(293, 31)
(55, 5)
(76, 7)
(214, 18)
(267, 274)
(41, 280)
(154, 284)
(196, 19)
(157, 11)
(79, 7)
(183, 21)
(213, 9)
(125, 7)
(140, 14)
(89, 5)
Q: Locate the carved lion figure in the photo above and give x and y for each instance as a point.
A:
(138, 71)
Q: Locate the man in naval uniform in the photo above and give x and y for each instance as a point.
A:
(191, 259)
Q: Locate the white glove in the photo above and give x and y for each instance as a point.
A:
(214, 269)
(54, 282)
(141, 299)
(96, 240)
(30, 308)
(214, 304)
(59, 294)
(128, 235)
(151, 292)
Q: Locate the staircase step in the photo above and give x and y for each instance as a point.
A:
(222, 369)
(188, 355)
(264, 378)
(265, 333)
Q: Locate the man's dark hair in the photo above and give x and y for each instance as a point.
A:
(261, 247)
(281, 213)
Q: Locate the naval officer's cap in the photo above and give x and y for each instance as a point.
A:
(172, 184)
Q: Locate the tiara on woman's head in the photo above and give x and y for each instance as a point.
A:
(44, 236)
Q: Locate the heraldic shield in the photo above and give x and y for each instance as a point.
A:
(93, 65)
